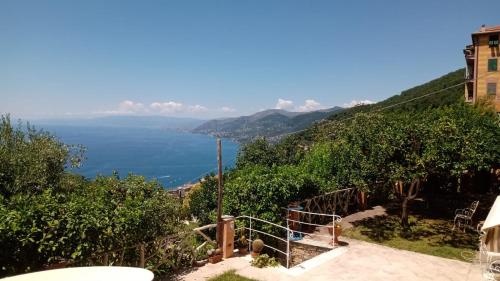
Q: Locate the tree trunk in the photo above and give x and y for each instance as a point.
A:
(406, 198)
(404, 212)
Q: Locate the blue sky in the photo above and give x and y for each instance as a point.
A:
(223, 58)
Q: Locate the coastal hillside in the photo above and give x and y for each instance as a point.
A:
(420, 103)
(272, 124)
(439, 92)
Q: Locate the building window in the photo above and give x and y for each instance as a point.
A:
(493, 42)
(492, 64)
(492, 89)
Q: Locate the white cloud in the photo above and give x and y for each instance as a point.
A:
(358, 102)
(227, 109)
(284, 104)
(167, 107)
(309, 105)
(197, 108)
(130, 106)
(126, 107)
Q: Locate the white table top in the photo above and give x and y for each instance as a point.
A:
(92, 273)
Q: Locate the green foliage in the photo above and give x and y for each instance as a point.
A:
(264, 261)
(230, 276)
(242, 242)
(253, 190)
(205, 251)
(352, 154)
(107, 214)
(32, 160)
(203, 200)
(409, 101)
(263, 191)
(370, 151)
(258, 152)
(414, 99)
(262, 152)
(377, 148)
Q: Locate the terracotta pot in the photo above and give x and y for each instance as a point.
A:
(243, 251)
(215, 259)
(338, 232)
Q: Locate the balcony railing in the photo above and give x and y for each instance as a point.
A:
(469, 52)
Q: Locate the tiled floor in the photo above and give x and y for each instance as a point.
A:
(357, 261)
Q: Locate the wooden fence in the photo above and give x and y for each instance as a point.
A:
(171, 251)
(335, 202)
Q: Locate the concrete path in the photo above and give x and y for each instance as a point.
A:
(359, 261)
(359, 216)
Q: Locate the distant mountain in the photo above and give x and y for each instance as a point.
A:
(272, 124)
(126, 121)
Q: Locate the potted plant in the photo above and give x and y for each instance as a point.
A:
(214, 256)
(338, 232)
(264, 261)
(257, 246)
(242, 245)
(201, 255)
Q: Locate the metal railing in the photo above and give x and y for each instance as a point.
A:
(252, 229)
(289, 232)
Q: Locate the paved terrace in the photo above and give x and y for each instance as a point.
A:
(358, 261)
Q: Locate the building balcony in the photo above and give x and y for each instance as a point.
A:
(469, 53)
(469, 91)
(469, 76)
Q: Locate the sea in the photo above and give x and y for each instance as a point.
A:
(172, 157)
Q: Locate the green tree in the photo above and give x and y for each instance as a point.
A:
(402, 150)
(106, 214)
(447, 142)
(263, 191)
(31, 160)
(203, 200)
(258, 152)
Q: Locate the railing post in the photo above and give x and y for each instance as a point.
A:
(333, 230)
(287, 244)
(249, 247)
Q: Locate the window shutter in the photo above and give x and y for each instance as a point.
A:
(493, 40)
(492, 65)
(492, 89)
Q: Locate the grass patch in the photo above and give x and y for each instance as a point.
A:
(230, 276)
(427, 236)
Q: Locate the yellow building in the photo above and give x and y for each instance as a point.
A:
(482, 71)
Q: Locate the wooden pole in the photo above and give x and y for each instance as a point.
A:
(219, 193)
(142, 260)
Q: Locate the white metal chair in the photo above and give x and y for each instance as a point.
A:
(492, 273)
(463, 217)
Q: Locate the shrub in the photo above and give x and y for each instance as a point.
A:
(108, 214)
(264, 261)
(262, 192)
